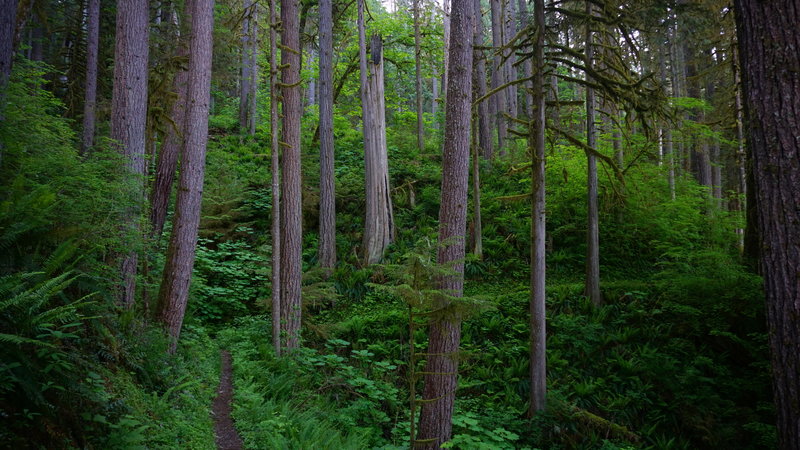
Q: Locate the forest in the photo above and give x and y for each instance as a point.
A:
(362, 224)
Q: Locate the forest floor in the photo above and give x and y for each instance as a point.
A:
(227, 438)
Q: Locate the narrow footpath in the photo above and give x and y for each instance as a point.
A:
(224, 430)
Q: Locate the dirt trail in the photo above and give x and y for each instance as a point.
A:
(225, 432)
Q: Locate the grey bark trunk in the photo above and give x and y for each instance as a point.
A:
(441, 377)
(128, 117)
(379, 228)
(538, 336)
(498, 75)
(768, 39)
(8, 23)
(291, 187)
(327, 203)
(274, 94)
(174, 292)
(90, 94)
(593, 226)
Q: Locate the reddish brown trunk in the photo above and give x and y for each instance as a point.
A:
(327, 202)
(128, 116)
(441, 369)
(174, 293)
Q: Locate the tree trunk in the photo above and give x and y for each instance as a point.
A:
(593, 226)
(274, 94)
(479, 86)
(418, 79)
(247, 81)
(441, 369)
(768, 40)
(174, 292)
(173, 141)
(8, 23)
(524, 19)
(500, 102)
(90, 94)
(510, 72)
(379, 221)
(666, 130)
(128, 117)
(291, 187)
(538, 335)
(477, 228)
(327, 202)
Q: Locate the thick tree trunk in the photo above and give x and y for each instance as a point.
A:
(593, 219)
(274, 94)
(477, 226)
(173, 140)
(90, 94)
(418, 79)
(291, 187)
(379, 228)
(327, 202)
(441, 369)
(248, 78)
(8, 23)
(479, 86)
(174, 292)
(769, 40)
(538, 335)
(128, 117)
(510, 72)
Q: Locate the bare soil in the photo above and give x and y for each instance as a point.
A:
(224, 430)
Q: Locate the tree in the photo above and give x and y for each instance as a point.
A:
(379, 221)
(174, 292)
(8, 22)
(538, 335)
(479, 86)
(167, 161)
(768, 42)
(441, 368)
(274, 90)
(90, 95)
(249, 72)
(128, 117)
(291, 187)
(593, 226)
(418, 78)
(327, 201)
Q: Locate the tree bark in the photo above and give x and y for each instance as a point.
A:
(769, 40)
(291, 187)
(173, 141)
(8, 23)
(248, 73)
(90, 94)
(479, 86)
(274, 95)
(498, 75)
(538, 335)
(128, 117)
(593, 219)
(327, 203)
(418, 79)
(379, 228)
(174, 292)
(441, 379)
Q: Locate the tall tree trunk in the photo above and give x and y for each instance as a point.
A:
(291, 187)
(593, 219)
(666, 129)
(538, 335)
(498, 77)
(327, 203)
(477, 227)
(479, 86)
(90, 94)
(274, 94)
(246, 78)
(741, 158)
(128, 117)
(510, 72)
(8, 23)
(441, 369)
(769, 39)
(418, 79)
(173, 141)
(524, 19)
(174, 292)
(379, 228)
(253, 112)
